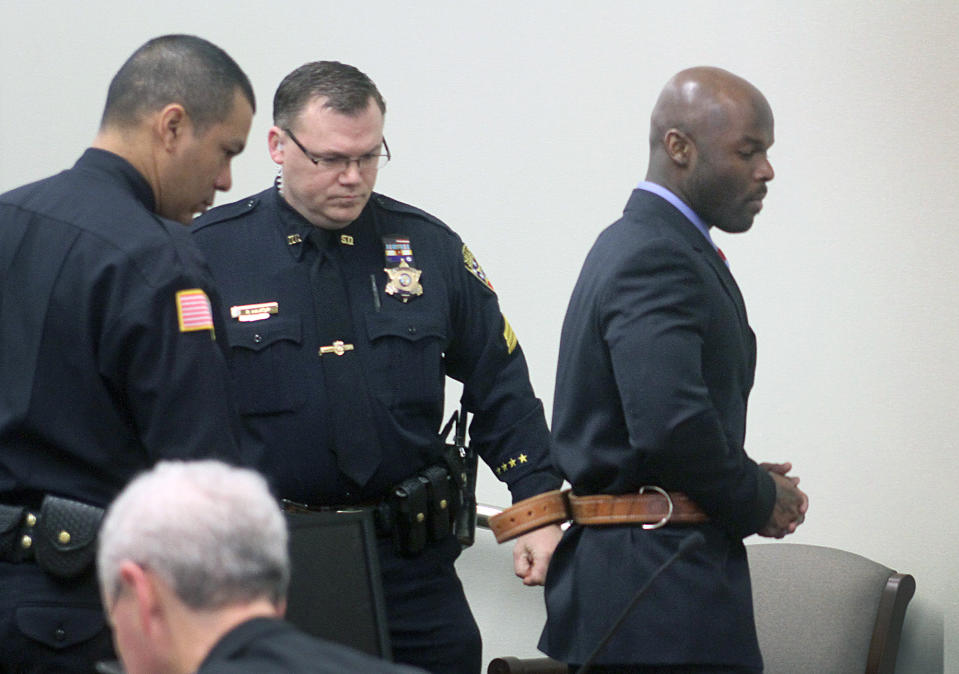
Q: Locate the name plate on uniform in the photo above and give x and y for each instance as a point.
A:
(254, 312)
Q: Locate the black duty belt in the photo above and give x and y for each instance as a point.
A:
(417, 511)
(60, 537)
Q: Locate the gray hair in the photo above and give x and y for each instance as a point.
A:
(212, 532)
(180, 69)
(348, 91)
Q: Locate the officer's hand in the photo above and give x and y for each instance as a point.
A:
(791, 504)
(532, 552)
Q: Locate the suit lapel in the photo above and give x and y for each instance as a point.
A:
(641, 199)
(726, 278)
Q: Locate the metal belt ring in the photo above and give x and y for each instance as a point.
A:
(669, 502)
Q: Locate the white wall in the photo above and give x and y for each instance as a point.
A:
(523, 125)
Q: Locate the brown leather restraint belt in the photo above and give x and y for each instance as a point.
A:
(652, 507)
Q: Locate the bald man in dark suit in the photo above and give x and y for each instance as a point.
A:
(655, 367)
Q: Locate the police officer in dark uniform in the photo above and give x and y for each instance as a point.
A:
(107, 351)
(346, 311)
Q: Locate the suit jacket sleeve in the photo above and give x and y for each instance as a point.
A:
(676, 354)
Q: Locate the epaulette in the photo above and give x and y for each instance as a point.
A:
(228, 211)
(391, 204)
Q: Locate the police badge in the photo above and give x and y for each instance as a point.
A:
(404, 278)
(404, 281)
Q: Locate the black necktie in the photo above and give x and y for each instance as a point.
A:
(355, 442)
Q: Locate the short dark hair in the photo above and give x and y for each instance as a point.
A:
(347, 90)
(180, 69)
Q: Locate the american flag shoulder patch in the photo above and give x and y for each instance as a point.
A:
(193, 310)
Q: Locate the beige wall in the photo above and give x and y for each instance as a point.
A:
(523, 124)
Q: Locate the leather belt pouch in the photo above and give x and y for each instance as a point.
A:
(65, 537)
(437, 481)
(410, 500)
(10, 519)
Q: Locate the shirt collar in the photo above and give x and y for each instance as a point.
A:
(297, 229)
(293, 226)
(120, 170)
(680, 205)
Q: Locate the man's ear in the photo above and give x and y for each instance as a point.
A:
(171, 123)
(140, 584)
(274, 140)
(679, 147)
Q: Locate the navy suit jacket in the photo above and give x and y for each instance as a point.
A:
(655, 367)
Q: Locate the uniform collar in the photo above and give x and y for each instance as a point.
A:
(296, 229)
(115, 168)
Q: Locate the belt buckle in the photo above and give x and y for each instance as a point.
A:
(669, 502)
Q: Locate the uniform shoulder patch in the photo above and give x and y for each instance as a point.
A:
(474, 268)
(193, 310)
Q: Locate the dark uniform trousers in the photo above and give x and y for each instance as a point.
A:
(431, 624)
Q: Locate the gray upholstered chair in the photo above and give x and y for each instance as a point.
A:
(820, 609)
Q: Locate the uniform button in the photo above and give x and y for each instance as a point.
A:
(63, 537)
(411, 330)
(31, 519)
(59, 634)
(257, 339)
(26, 542)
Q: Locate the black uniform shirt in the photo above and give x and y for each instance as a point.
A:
(104, 368)
(258, 252)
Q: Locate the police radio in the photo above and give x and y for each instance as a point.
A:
(461, 462)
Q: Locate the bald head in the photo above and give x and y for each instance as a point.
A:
(701, 98)
(708, 137)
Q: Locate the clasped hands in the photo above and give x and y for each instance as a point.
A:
(791, 502)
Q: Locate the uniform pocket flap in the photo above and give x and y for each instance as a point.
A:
(408, 325)
(258, 335)
(58, 625)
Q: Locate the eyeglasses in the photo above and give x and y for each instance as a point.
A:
(341, 163)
